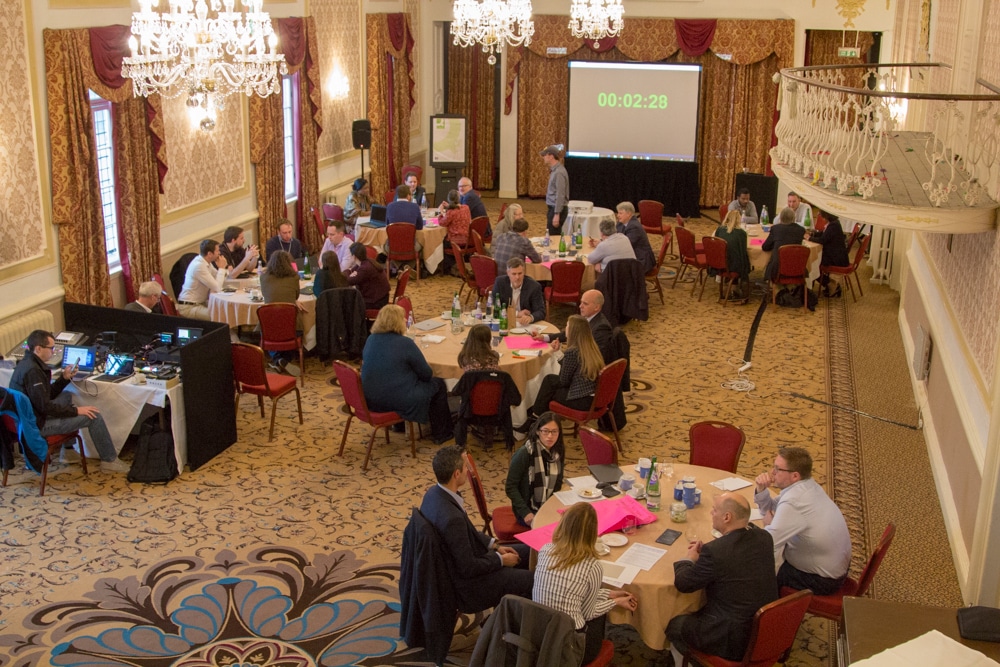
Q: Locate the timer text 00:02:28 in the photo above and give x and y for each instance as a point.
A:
(632, 101)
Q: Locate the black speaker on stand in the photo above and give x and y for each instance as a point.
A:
(361, 137)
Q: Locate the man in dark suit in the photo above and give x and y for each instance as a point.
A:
(483, 571)
(591, 303)
(737, 573)
(629, 225)
(403, 209)
(147, 300)
(523, 292)
(786, 232)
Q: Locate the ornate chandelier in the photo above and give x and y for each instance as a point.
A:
(492, 23)
(208, 57)
(595, 19)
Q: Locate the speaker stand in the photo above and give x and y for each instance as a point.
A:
(362, 162)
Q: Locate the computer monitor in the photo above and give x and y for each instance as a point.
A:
(187, 334)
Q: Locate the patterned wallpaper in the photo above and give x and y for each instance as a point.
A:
(341, 39)
(22, 225)
(203, 164)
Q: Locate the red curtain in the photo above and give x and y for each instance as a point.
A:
(695, 36)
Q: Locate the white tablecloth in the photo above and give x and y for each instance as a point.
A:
(590, 222)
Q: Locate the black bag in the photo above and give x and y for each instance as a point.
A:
(979, 623)
(154, 461)
(792, 298)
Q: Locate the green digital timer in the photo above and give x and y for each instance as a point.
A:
(631, 101)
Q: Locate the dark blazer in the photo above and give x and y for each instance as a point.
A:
(341, 327)
(737, 573)
(477, 208)
(834, 244)
(404, 210)
(640, 243)
(478, 574)
(532, 297)
(623, 285)
(136, 307)
(510, 397)
(781, 234)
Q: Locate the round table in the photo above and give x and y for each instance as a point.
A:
(526, 372)
(759, 258)
(659, 600)
(431, 237)
(590, 223)
(236, 309)
(543, 271)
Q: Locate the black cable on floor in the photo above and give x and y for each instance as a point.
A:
(917, 427)
(753, 328)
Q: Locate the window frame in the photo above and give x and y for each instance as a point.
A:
(105, 151)
(292, 138)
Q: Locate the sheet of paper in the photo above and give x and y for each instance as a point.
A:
(616, 574)
(524, 343)
(432, 338)
(536, 538)
(568, 497)
(584, 482)
(731, 484)
(642, 556)
(527, 353)
(755, 514)
(931, 648)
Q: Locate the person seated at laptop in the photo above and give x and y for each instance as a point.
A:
(284, 241)
(368, 278)
(148, 298)
(358, 201)
(241, 259)
(280, 284)
(54, 410)
(536, 470)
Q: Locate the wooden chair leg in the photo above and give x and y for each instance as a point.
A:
(302, 365)
(343, 440)
(83, 455)
(236, 403)
(45, 474)
(4, 483)
(703, 283)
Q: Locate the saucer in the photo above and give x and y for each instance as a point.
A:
(614, 539)
(518, 331)
(590, 493)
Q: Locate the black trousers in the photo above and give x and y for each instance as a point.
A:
(551, 391)
(549, 214)
(439, 413)
(594, 632)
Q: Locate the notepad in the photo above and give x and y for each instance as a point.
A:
(429, 325)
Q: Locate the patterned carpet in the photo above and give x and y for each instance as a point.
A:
(282, 553)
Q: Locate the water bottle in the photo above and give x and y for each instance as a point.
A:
(562, 245)
(579, 238)
(572, 241)
(478, 312)
(305, 266)
(409, 322)
(807, 221)
(653, 488)
(489, 305)
(547, 241)
(423, 201)
(260, 267)
(503, 321)
(764, 218)
(456, 308)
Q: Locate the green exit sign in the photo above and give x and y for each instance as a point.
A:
(848, 52)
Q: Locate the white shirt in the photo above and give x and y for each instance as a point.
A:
(343, 252)
(616, 246)
(202, 278)
(808, 529)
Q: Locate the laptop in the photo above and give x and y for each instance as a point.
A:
(82, 356)
(378, 218)
(118, 367)
(187, 334)
(605, 473)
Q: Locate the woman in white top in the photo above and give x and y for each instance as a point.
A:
(568, 577)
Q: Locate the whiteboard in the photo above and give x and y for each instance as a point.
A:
(447, 140)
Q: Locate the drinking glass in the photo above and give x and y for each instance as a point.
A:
(630, 526)
(691, 533)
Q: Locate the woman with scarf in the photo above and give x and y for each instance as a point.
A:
(536, 470)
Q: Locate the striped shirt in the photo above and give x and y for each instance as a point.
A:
(573, 590)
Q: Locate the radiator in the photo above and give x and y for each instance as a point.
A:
(13, 332)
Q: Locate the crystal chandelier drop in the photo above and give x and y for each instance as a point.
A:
(595, 19)
(206, 55)
(492, 23)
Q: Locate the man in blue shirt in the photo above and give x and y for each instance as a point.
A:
(403, 209)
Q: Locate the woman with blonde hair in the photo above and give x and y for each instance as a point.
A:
(506, 224)
(477, 354)
(568, 577)
(397, 378)
(737, 258)
(582, 362)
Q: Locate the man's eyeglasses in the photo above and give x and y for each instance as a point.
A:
(47, 347)
(548, 431)
(777, 469)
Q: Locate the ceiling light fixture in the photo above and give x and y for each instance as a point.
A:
(595, 19)
(493, 24)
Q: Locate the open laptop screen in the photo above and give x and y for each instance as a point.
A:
(119, 365)
(82, 356)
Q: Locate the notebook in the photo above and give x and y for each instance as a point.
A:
(81, 356)
(118, 367)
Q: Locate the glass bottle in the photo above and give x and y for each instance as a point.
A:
(653, 488)
(503, 321)
(765, 219)
(562, 244)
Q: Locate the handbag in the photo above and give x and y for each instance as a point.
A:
(979, 623)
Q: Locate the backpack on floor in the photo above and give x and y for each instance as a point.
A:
(154, 461)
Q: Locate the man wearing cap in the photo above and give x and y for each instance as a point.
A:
(557, 194)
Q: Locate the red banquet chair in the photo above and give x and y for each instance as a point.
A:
(278, 331)
(567, 281)
(484, 273)
(608, 382)
(55, 444)
(651, 216)
(402, 237)
(480, 225)
(332, 212)
(689, 257)
(597, 447)
(653, 277)
(852, 270)
(251, 377)
(501, 523)
(349, 379)
(793, 264)
(715, 257)
(716, 444)
(831, 606)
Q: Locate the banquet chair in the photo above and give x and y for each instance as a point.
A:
(333, 212)
(723, 212)
(821, 222)
(389, 196)
(831, 606)
(502, 523)
(477, 242)
(250, 376)
(167, 306)
(716, 444)
(278, 332)
(608, 383)
(567, 281)
(487, 396)
(681, 222)
(484, 273)
(402, 239)
(503, 209)
(850, 270)
(411, 169)
(793, 264)
(530, 631)
(771, 636)
(482, 226)
(320, 222)
(404, 303)
(402, 279)
(349, 379)
(463, 273)
(651, 216)
(53, 445)
(158, 279)
(715, 258)
(689, 257)
(597, 447)
(653, 277)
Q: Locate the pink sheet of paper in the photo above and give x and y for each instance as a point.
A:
(536, 538)
(611, 513)
(757, 242)
(525, 343)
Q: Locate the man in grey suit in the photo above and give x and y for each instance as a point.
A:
(148, 299)
(483, 571)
